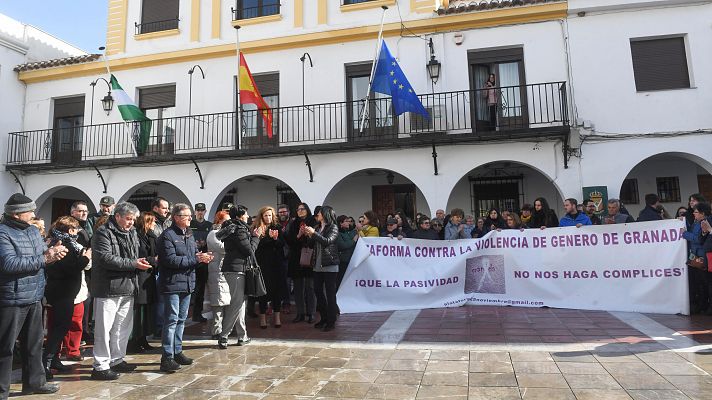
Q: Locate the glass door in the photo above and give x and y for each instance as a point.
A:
(67, 139)
(380, 121)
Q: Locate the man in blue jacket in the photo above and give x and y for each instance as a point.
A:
(178, 257)
(23, 257)
(573, 217)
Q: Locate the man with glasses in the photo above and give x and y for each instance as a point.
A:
(178, 256)
(424, 231)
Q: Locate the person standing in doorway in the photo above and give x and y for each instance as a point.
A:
(490, 94)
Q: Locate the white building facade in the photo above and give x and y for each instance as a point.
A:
(568, 112)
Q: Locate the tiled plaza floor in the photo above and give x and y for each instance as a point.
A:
(461, 353)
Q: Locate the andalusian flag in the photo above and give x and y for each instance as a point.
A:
(250, 95)
(131, 113)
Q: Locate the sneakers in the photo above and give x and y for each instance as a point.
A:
(222, 343)
(242, 342)
(182, 359)
(123, 366)
(105, 375)
(47, 388)
(168, 364)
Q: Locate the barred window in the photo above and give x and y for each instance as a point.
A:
(629, 192)
(668, 189)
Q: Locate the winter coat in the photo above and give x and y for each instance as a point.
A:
(114, 255)
(619, 218)
(427, 234)
(64, 277)
(240, 245)
(176, 260)
(218, 289)
(295, 248)
(695, 239)
(498, 224)
(453, 232)
(369, 231)
(270, 252)
(580, 218)
(542, 218)
(22, 265)
(345, 244)
(327, 254)
(147, 279)
(649, 214)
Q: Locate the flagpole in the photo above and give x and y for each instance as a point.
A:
(106, 61)
(364, 112)
(237, 101)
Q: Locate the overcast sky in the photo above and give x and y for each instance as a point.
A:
(81, 23)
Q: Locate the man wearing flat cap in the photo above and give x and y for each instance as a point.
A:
(200, 228)
(106, 207)
(23, 258)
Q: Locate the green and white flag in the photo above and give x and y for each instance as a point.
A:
(130, 112)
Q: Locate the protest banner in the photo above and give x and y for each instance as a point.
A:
(636, 267)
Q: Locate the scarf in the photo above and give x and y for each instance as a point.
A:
(228, 228)
(14, 223)
(67, 238)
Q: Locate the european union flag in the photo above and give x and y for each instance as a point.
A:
(389, 79)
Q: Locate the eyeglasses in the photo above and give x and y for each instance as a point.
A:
(301, 209)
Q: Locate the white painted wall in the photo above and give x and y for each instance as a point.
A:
(11, 103)
(603, 69)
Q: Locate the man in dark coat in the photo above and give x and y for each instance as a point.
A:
(113, 284)
(651, 211)
(178, 257)
(23, 257)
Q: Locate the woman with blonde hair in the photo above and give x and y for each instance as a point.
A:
(270, 257)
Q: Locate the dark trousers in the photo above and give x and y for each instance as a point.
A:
(201, 279)
(275, 281)
(23, 323)
(342, 271)
(142, 322)
(492, 109)
(699, 294)
(325, 291)
(57, 327)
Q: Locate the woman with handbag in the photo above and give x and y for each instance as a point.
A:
(218, 291)
(326, 266)
(240, 246)
(270, 256)
(301, 263)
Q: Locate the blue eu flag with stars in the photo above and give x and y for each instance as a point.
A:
(389, 79)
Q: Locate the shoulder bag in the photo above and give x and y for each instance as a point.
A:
(254, 282)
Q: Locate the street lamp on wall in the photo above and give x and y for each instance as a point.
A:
(107, 103)
(190, 88)
(303, 58)
(433, 65)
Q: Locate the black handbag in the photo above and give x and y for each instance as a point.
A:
(254, 282)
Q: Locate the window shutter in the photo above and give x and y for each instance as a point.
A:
(157, 97)
(660, 64)
(267, 84)
(69, 107)
(159, 10)
(356, 70)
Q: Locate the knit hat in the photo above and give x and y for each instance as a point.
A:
(19, 203)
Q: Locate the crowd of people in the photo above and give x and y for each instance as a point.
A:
(120, 276)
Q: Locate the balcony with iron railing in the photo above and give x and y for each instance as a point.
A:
(156, 26)
(534, 111)
(240, 12)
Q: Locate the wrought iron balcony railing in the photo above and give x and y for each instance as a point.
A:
(157, 26)
(526, 111)
(240, 12)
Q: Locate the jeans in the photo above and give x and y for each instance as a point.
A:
(24, 323)
(174, 314)
(325, 290)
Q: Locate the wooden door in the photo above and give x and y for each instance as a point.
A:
(704, 183)
(60, 208)
(388, 198)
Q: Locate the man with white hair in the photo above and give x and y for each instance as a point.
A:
(113, 285)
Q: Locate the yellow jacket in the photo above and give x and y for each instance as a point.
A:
(369, 231)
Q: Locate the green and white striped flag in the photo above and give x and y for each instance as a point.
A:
(130, 112)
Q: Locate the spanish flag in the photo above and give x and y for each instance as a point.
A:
(249, 94)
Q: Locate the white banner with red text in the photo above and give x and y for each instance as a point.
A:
(637, 267)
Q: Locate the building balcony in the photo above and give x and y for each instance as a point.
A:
(535, 112)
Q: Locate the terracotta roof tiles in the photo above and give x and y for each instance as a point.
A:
(460, 6)
(57, 62)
